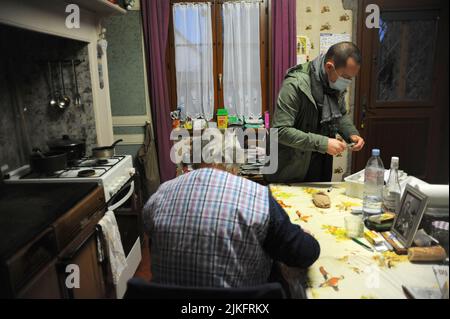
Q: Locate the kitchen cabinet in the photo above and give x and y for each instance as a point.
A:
(91, 275)
(45, 285)
(44, 228)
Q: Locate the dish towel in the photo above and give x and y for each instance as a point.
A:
(114, 247)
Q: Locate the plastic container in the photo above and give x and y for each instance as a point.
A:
(354, 226)
(222, 118)
(354, 185)
(373, 185)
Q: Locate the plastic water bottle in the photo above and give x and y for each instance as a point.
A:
(373, 185)
(392, 190)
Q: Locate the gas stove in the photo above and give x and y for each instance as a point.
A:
(112, 174)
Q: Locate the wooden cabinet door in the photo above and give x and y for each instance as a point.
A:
(45, 285)
(92, 282)
(402, 92)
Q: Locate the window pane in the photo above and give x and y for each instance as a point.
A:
(194, 59)
(405, 59)
(242, 73)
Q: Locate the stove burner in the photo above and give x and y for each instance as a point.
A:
(102, 161)
(86, 173)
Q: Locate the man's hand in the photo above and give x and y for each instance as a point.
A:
(359, 143)
(335, 147)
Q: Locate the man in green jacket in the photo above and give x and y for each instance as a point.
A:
(311, 112)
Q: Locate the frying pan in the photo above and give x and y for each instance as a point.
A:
(105, 152)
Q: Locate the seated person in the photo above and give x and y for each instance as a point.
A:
(212, 229)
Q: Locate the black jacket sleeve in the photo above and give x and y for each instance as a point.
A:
(288, 243)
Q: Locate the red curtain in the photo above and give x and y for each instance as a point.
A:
(284, 40)
(155, 21)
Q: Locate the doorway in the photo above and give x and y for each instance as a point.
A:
(402, 92)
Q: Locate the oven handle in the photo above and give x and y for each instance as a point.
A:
(124, 199)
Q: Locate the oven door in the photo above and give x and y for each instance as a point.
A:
(127, 210)
(122, 196)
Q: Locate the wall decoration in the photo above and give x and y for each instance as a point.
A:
(308, 27)
(328, 39)
(308, 9)
(325, 9)
(344, 17)
(326, 26)
(303, 49)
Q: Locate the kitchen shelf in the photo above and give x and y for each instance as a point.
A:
(101, 7)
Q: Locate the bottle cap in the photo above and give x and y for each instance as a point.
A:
(375, 152)
(395, 161)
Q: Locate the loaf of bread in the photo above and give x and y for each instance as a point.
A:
(435, 253)
(321, 200)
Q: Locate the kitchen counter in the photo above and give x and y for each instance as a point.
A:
(28, 209)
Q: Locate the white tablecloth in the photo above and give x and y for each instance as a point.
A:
(344, 268)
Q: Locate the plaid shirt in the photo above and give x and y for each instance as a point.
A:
(207, 229)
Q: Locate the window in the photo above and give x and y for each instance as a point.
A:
(218, 57)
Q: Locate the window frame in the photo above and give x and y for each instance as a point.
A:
(217, 32)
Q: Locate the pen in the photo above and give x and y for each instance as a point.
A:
(362, 244)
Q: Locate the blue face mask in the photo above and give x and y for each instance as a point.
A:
(341, 83)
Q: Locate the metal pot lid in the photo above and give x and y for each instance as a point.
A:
(65, 141)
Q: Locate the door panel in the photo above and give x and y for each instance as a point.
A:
(403, 59)
(402, 90)
(391, 134)
(83, 252)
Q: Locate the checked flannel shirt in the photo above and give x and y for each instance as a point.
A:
(209, 228)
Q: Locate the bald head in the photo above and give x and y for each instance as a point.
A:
(342, 60)
(341, 52)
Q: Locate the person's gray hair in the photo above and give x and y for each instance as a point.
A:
(220, 149)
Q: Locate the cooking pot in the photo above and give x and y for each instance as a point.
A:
(105, 152)
(47, 163)
(74, 149)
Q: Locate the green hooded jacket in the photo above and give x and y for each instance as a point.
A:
(297, 120)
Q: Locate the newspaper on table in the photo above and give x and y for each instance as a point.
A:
(441, 273)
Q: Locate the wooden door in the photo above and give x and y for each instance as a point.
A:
(402, 91)
(83, 252)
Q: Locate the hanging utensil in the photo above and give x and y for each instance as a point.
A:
(77, 96)
(64, 100)
(53, 102)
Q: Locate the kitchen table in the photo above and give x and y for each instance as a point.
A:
(345, 269)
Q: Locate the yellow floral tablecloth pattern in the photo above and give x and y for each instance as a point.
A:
(344, 268)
